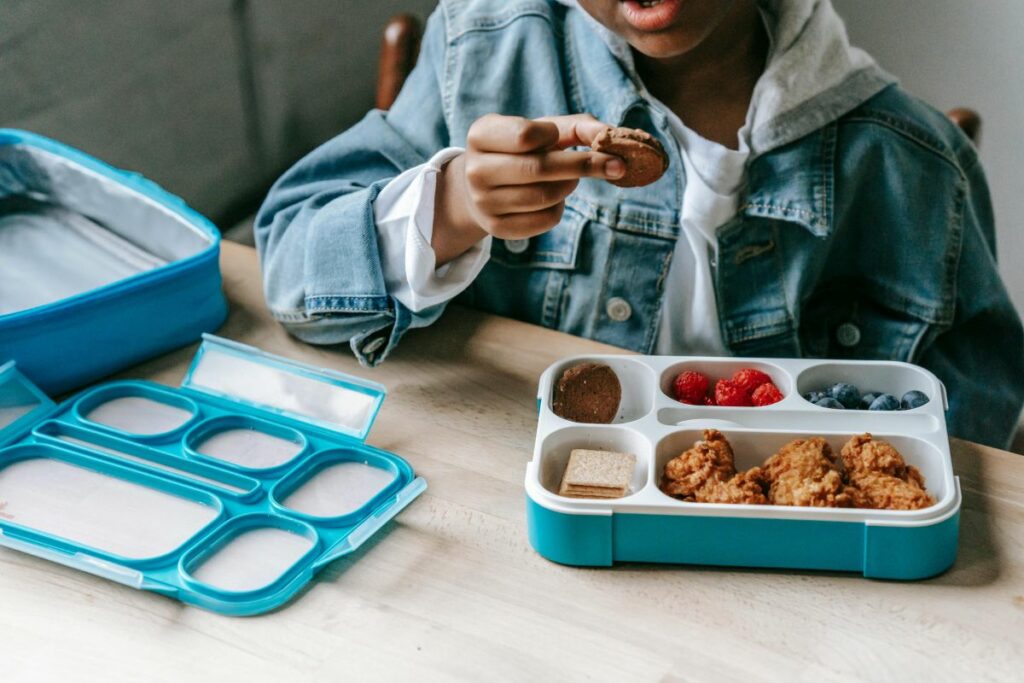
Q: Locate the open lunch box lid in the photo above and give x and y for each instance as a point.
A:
(229, 492)
(100, 268)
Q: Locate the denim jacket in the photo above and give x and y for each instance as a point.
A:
(871, 237)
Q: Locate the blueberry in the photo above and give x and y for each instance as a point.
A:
(847, 394)
(814, 396)
(913, 399)
(885, 402)
(867, 399)
(829, 402)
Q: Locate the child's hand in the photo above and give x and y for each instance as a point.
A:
(513, 179)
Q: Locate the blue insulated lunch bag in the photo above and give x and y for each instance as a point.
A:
(99, 268)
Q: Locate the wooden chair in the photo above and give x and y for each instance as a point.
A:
(401, 45)
(399, 48)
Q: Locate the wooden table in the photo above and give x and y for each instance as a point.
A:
(452, 589)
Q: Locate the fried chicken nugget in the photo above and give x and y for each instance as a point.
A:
(804, 473)
(879, 478)
(709, 460)
(880, 491)
(863, 454)
(706, 473)
(744, 488)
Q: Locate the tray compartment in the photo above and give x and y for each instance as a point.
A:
(76, 502)
(250, 553)
(141, 411)
(751, 448)
(715, 369)
(104, 444)
(888, 378)
(247, 443)
(636, 378)
(557, 446)
(338, 485)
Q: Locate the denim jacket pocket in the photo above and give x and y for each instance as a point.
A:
(846, 324)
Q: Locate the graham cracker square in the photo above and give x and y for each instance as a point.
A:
(597, 474)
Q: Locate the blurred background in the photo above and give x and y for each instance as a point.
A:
(214, 98)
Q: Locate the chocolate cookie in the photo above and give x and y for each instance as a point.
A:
(645, 158)
(588, 392)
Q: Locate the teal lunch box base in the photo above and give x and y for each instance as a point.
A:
(101, 268)
(228, 493)
(646, 525)
(878, 552)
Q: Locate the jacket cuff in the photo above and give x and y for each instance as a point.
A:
(373, 347)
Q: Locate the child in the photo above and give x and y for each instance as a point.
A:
(810, 207)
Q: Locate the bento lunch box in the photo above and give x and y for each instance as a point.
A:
(99, 268)
(649, 526)
(229, 492)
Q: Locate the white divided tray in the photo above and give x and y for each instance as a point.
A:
(648, 525)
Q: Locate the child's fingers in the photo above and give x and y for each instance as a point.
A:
(525, 198)
(524, 225)
(576, 129)
(493, 170)
(510, 134)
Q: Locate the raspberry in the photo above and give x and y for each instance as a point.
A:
(690, 387)
(749, 379)
(709, 401)
(766, 394)
(728, 393)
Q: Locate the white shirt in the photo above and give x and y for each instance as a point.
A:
(404, 212)
(714, 176)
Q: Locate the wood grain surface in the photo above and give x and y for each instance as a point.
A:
(453, 590)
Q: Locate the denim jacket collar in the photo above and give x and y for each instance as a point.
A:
(792, 183)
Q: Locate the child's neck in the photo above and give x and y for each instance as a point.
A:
(710, 86)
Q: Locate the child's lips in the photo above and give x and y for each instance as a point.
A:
(650, 15)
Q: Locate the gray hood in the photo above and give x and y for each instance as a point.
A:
(813, 75)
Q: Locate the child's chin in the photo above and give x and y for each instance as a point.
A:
(661, 46)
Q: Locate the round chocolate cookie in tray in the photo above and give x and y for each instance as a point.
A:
(725, 461)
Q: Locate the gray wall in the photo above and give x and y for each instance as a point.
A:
(210, 98)
(960, 53)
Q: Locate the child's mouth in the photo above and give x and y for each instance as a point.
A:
(650, 15)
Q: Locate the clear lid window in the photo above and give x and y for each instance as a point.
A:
(316, 395)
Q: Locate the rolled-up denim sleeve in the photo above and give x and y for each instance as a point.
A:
(980, 358)
(316, 234)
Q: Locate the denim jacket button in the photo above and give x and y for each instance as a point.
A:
(373, 346)
(848, 334)
(618, 309)
(517, 246)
